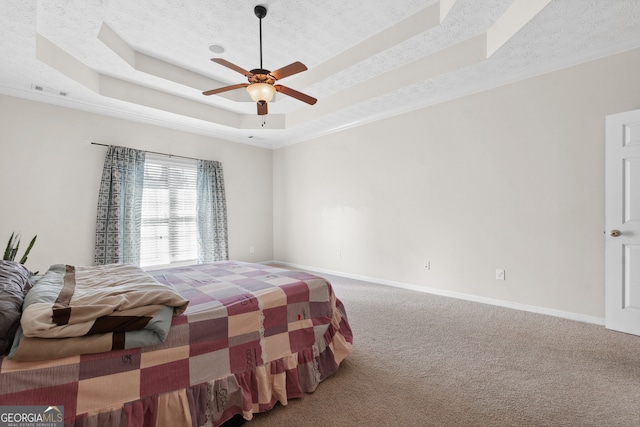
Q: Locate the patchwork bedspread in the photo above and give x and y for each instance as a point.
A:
(251, 336)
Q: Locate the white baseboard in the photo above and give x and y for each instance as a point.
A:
(459, 295)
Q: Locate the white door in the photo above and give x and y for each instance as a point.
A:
(622, 220)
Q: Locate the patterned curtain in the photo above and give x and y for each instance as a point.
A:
(119, 207)
(211, 213)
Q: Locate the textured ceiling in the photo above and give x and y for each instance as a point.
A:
(148, 60)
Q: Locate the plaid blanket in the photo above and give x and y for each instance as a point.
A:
(252, 336)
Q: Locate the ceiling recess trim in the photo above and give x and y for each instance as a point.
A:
(52, 55)
(465, 53)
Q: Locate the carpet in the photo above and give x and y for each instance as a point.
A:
(428, 360)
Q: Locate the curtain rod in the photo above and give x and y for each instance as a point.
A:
(152, 152)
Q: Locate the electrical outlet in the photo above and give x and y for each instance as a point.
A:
(339, 254)
(427, 265)
(499, 274)
(251, 250)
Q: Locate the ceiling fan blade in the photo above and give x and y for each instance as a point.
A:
(225, 88)
(289, 70)
(262, 108)
(234, 67)
(295, 94)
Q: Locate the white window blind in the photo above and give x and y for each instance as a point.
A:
(168, 231)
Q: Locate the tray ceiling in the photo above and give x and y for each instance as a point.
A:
(149, 60)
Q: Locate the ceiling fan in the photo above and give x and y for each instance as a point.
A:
(261, 85)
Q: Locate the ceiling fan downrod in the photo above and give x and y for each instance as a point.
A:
(260, 12)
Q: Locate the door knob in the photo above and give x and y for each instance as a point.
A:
(614, 233)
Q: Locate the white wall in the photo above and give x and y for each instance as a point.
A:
(510, 178)
(50, 175)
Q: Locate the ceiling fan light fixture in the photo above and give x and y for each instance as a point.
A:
(261, 92)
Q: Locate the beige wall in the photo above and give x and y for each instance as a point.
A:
(510, 178)
(50, 175)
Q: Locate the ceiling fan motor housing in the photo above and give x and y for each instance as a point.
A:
(261, 76)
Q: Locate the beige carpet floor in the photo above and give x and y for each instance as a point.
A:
(426, 360)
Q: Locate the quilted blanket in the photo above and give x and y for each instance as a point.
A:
(78, 310)
(252, 336)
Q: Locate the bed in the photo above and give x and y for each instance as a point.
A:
(248, 337)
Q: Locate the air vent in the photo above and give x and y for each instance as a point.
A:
(49, 90)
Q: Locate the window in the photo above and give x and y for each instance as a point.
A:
(155, 210)
(168, 232)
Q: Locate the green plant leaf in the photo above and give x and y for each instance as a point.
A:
(15, 249)
(7, 251)
(26, 253)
